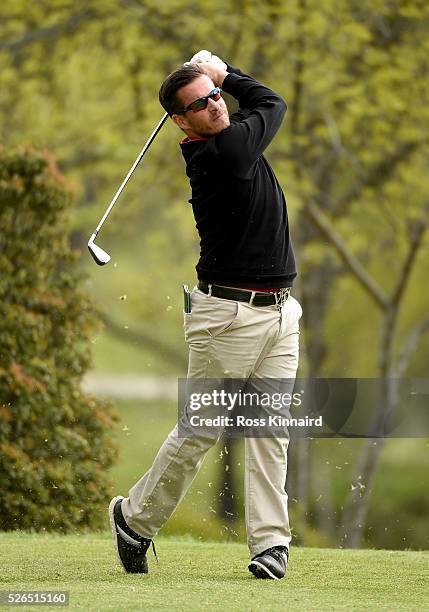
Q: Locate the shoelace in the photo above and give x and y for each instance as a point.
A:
(145, 544)
(154, 551)
(278, 553)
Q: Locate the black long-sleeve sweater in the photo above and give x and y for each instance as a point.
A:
(238, 204)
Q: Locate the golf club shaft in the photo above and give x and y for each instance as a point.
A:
(142, 152)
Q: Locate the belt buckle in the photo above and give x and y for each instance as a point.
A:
(282, 296)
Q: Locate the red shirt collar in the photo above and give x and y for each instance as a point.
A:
(187, 139)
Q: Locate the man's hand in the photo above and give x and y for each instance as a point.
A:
(204, 56)
(211, 65)
(216, 74)
(201, 56)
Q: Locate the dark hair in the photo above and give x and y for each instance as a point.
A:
(177, 79)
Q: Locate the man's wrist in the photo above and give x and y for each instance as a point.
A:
(220, 79)
(232, 80)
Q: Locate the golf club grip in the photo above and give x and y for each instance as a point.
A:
(134, 166)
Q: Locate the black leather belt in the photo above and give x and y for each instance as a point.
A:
(260, 298)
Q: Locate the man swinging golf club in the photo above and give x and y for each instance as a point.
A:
(242, 321)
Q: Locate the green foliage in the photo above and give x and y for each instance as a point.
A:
(54, 440)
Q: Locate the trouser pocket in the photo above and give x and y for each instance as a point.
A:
(210, 316)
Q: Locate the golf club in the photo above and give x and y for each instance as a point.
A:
(100, 256)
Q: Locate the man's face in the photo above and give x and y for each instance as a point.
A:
(206, 122)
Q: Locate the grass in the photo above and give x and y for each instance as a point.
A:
(194, 576)
(128, 358)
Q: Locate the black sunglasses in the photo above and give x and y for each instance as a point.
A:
(201, 103)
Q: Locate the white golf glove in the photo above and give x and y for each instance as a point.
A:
(201, 56)
(206, 56)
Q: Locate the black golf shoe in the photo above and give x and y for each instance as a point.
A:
(130, 546)
(271, 563)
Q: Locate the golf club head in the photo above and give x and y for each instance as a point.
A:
(100, 256)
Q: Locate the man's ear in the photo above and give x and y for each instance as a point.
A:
(180, 121)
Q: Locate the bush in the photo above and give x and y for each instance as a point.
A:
(54, 440)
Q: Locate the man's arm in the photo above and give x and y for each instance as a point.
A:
(241, 144)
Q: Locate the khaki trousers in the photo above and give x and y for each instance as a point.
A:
(236, 340)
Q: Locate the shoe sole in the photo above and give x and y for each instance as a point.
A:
(260, 571)
(113, 525)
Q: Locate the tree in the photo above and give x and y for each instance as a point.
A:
(55, 442)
